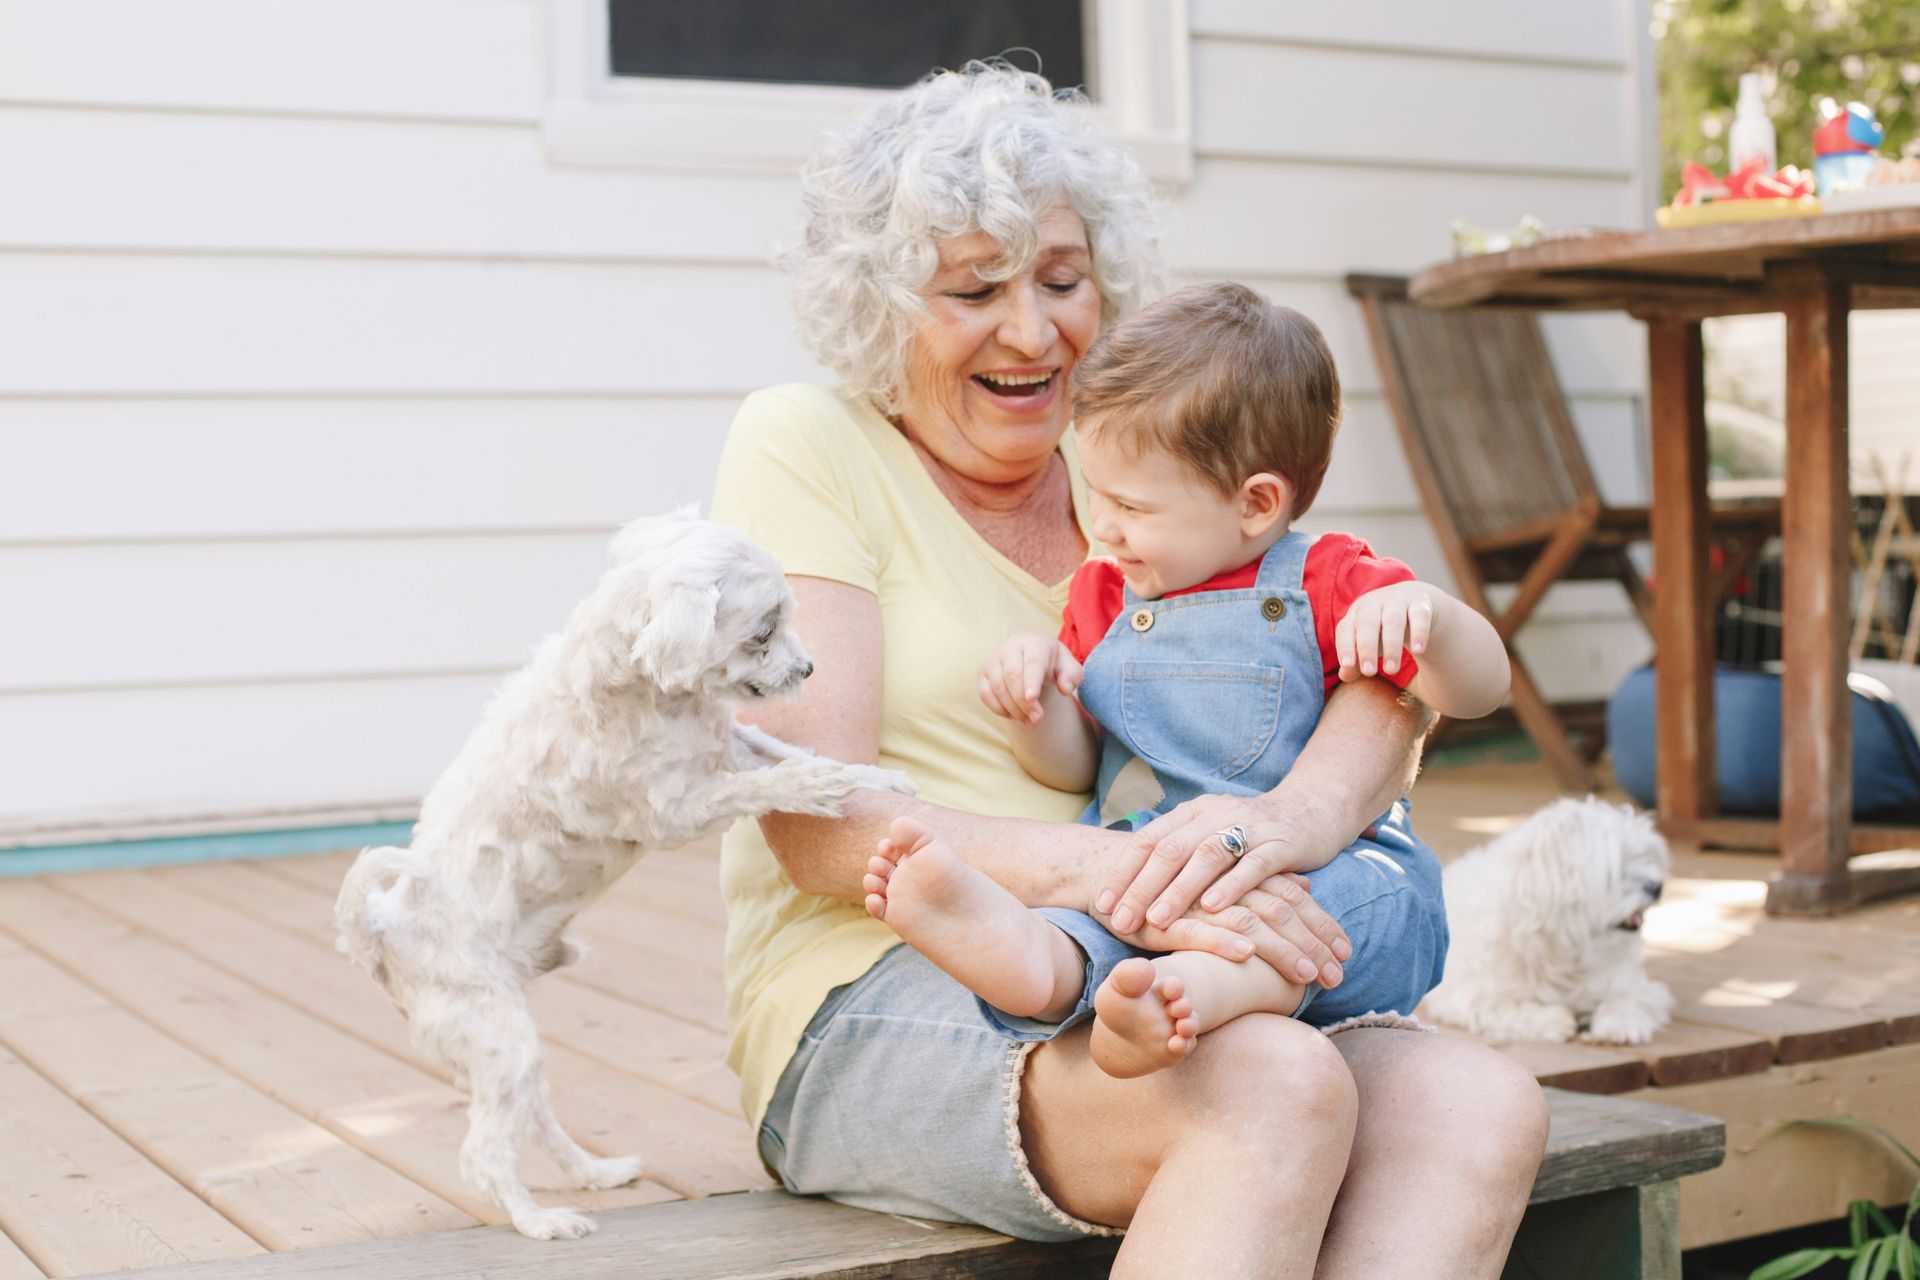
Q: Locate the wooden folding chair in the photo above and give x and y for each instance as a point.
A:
(1506, 483)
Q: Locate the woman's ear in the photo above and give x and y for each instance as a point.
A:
(1266, 499)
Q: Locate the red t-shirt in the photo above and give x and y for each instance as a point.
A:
(1340, 568)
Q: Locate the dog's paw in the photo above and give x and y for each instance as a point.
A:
(1634, 1020)
(614, 1171)
(552, 1224)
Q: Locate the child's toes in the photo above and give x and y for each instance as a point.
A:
(1186, 1028)
(1179, 1008)
(1172, 988)
(877, 906)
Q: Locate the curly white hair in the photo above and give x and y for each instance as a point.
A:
(986, 148)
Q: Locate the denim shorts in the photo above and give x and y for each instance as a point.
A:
(902, 1099)
(904, 1095)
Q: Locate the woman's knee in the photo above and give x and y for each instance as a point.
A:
(1268, 1069)
(1494, 1118)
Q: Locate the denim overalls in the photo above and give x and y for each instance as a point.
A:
(1215, 693)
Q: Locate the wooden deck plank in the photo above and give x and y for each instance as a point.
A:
(1799, 1033)
(640, 1042)
(1578, 1067)
(692, 1150)
(406, 1118)
(286, 1181)
(1689, 1052)
(15, 1265)
(665, 1051)
(692, 993)
(79, 1198)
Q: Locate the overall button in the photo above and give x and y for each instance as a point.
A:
(1273, 608)
(1142, 619)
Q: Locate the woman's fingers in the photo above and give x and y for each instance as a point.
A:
(1210, 860)
(1152, 859)
(1286, 907)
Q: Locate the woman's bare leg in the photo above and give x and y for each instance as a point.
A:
(1227, 1166)
(1450, 1137)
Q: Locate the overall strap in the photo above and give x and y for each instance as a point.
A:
(1286, 560)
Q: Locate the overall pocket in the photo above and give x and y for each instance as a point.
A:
(1204, 719)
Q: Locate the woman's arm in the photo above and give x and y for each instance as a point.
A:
(1361, 758)
(1041, 863)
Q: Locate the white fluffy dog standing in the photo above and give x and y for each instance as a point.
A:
(619, 738)
(1546, 929)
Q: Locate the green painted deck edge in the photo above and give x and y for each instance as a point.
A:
(37, 860)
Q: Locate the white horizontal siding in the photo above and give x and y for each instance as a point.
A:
(323, 385)
(1298, 101)
(166, 614)
(187, 324)
(208, 750)
(106, 470)
(225, 183)
(1277, 218)
(431, 59)
(98, 324)
(1571, 31)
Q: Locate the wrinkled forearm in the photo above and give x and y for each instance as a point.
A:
(1362, 757)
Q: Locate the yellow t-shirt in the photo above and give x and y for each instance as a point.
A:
(834, 490)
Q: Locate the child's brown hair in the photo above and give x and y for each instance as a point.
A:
(1222, 379)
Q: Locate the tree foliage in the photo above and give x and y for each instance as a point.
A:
(1849, 50)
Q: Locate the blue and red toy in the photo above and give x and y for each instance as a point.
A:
(1844, 146)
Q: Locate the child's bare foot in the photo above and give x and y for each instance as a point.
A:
(1142, 1020)
(972, 928)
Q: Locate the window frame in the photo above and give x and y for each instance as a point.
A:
(1138, 57)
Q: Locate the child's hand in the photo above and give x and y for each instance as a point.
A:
(1381, 625)
(1011, 680)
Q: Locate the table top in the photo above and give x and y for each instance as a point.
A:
(1717, 269)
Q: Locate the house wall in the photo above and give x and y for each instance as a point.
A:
(323, 385)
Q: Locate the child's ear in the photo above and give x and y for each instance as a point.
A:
(1266, 499)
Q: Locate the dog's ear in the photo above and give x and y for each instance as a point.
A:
(675, 646)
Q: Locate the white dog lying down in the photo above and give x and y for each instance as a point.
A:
(617, 739)
(1546, 929)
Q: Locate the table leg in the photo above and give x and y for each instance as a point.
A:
(1683, 619)
(1816, 727)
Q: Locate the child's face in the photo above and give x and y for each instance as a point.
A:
(1167, 527)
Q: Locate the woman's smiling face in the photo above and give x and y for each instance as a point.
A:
(987, 373)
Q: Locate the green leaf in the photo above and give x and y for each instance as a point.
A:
(1857, 1222)
(1879, 1218)
(1861, 1261)
(1882, 1250)
(1798, 1263)
(1908, 1257)
(1913, 1207)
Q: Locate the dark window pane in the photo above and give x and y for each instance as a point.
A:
(883, 43)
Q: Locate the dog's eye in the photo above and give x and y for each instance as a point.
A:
(765, 638)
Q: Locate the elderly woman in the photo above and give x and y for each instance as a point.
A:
(963, 245)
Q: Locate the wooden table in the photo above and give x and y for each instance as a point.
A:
(1815, 270)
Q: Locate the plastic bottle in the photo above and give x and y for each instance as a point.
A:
(1752, 134)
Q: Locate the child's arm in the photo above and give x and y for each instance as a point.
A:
(1030, 683)
(1463, 669)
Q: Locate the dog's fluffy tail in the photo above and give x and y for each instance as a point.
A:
(371, 905)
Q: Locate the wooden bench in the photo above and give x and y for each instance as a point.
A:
(1605, 1205)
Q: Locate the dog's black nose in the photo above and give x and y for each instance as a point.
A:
(808, 670)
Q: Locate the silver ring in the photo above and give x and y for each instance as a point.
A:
(1233, 839)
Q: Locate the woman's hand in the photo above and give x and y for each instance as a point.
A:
(1179, 856)
(1277, 922)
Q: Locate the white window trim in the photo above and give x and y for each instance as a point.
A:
(593, 117)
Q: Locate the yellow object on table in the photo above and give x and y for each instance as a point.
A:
(1714, 211)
